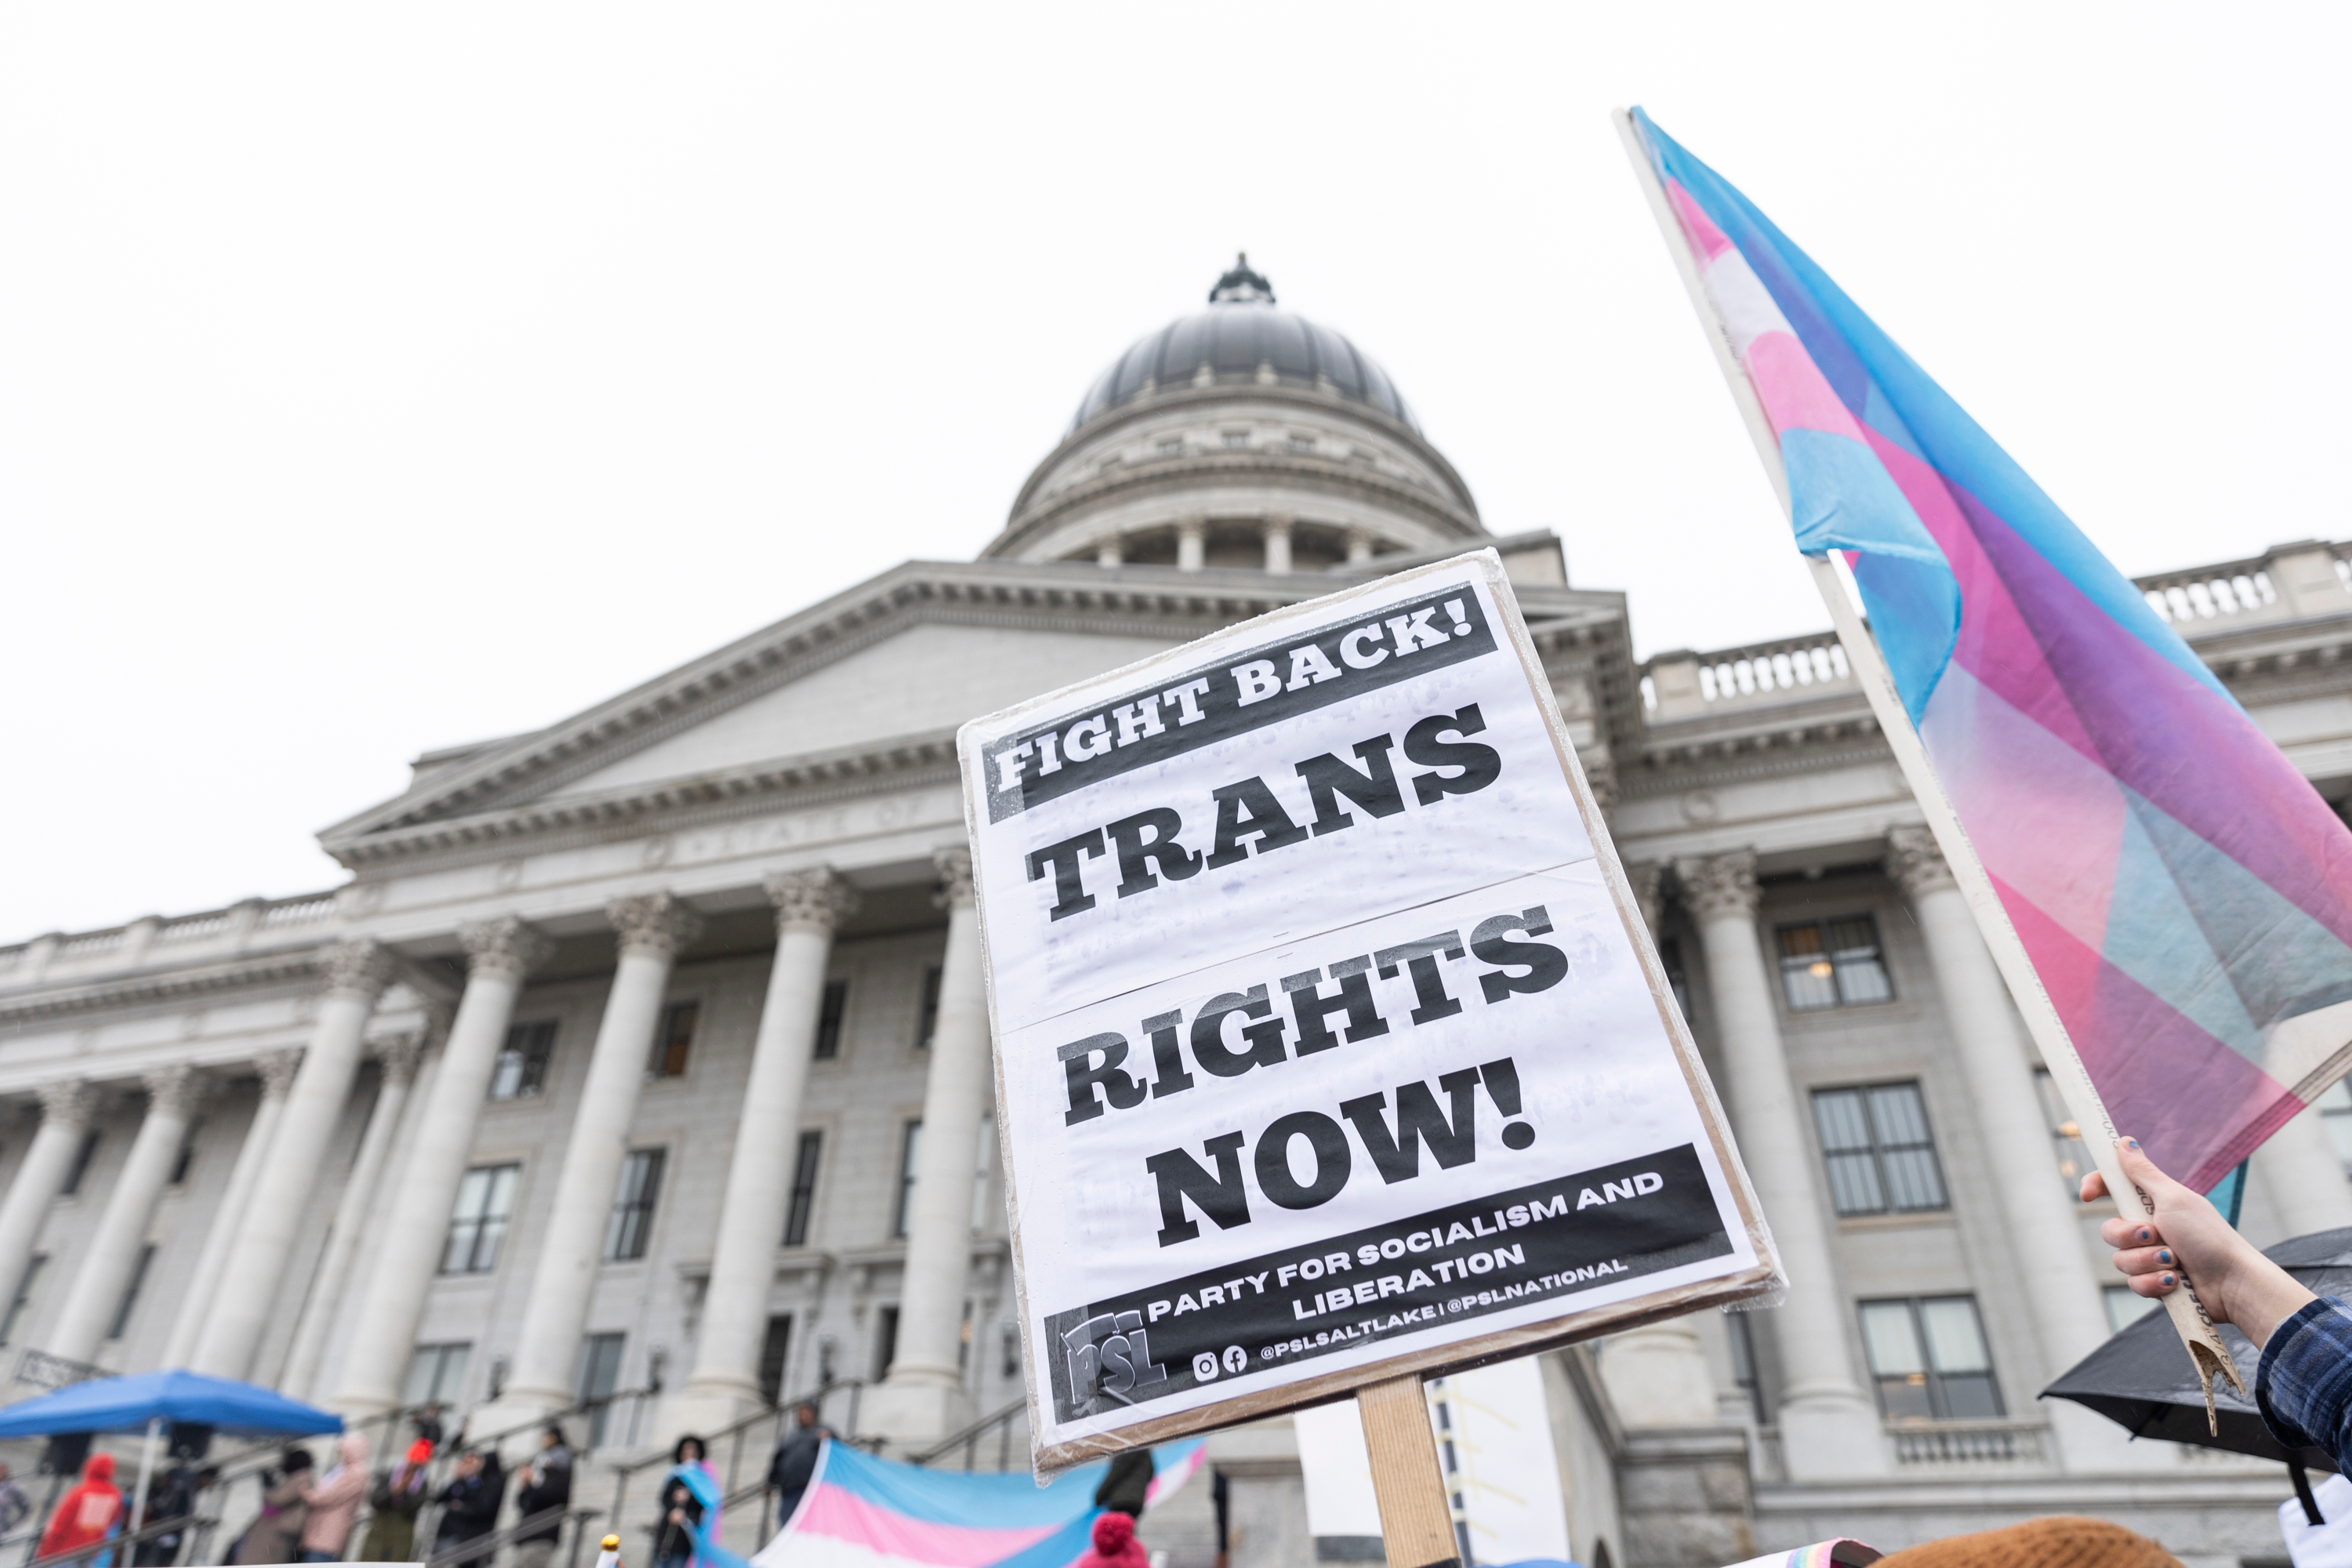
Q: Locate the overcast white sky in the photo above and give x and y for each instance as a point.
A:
(377, 378)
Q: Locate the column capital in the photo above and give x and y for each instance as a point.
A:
(363, 967)
(1719, 887)
(278, 1069)
(399, 1054)
(68, 1101)
(507, 947)
(1915, 864)
(657, 924)
(820, 900)
(1648, 879)
(175, 1090)
(955, 877)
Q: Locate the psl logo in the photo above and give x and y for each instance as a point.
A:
(1110, 1355)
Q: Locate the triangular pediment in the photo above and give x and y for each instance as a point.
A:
(865, 689)
(928, 677)
(885, 671)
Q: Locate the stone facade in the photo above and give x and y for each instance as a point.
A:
(704, 942)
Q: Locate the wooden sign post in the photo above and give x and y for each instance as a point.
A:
(1416, 1517)
(1331, 1049)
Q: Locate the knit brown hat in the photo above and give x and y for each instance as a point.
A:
(2061, 1541)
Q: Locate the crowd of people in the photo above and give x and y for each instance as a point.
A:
(310, 1516)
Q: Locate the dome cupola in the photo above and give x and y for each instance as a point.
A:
(1243, 435)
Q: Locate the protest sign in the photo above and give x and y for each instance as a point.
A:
(1329, 1043)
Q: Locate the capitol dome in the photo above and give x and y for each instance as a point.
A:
(1244, 336)
(1240, 437)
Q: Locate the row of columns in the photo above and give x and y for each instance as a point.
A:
(1192, 545)
(1830, 1425)
(240, 1280)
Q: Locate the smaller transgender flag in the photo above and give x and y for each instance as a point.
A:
(860, 1511)
(2182, 892)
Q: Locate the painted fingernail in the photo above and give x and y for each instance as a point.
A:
(2168, 1281)
(2164, 1255)
(2144, 1234)
(2131, 1142)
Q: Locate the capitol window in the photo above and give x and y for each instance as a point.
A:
(521, 1071)
(1832, 963)
(2074, 1155)
(829, 1013)
(485, 1204)
(803, 1202)
(674, 1041)
(631, 1223)
(1171, 447)
(1236, 438)
(910, 1150)
(1927, 1355)
(1880, 1153)
(1301, 442)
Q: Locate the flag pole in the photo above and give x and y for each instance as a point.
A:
(1878, 682)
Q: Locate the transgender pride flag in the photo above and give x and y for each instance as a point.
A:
(2183, 893)
(860, 1511)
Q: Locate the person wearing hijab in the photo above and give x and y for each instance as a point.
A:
(87, 1513)
(277, 1533)
(398, 1498)
(334, 1502)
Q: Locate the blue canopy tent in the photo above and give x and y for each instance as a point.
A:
(153, 1398)
(133, 1404)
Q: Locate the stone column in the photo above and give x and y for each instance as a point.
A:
(924, 1394)
(1110, 553)
(2300, 1173)
(1359, 547)
(2053, 1270)
(361, 1189)
(113, 1255)
(277, 1069)
(653, 927)
(65, 1117)
(1658, 1374)
(1191, 541)
(810, 907)
(1278, 544)
(403, 1259)
(1830, 1428)
(252, 1281)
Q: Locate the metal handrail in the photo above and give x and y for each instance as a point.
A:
(480, 1546)
(137, 1538)
(736, 1429)
(497, 1438)
(969, 1438)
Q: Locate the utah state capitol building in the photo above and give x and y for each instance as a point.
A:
(644, 1055)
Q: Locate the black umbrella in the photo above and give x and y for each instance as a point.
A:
(2143, 1380)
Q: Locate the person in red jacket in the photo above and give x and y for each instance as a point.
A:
(86, 1514)
(1115, 1545)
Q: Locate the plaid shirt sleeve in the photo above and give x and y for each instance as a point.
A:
(2303, 1386)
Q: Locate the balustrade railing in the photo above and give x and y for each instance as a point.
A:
(1680, 685)
(2205, 593)
(1968, 1443)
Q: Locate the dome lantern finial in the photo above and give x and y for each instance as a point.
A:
(1240, 285)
